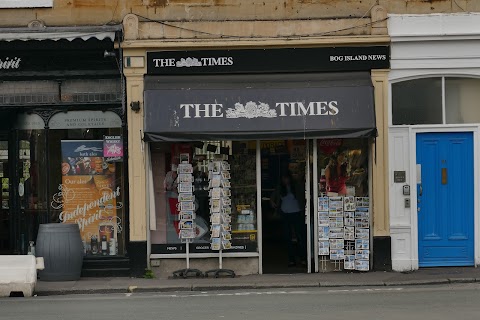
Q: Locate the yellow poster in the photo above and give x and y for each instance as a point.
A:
(89, 195)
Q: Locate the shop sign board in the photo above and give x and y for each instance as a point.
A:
(399, 176)
(199, 248)
(29, 122)
(278, 112)
(10, 63)
(325, 59)
(85, 120)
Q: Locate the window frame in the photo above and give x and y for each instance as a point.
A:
(443, 77)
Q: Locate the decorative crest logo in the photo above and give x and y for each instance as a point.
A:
(251, 110)
(188, 62)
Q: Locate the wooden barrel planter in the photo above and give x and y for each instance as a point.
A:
(61, 247)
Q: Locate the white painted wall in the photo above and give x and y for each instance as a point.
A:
(425, 46)
(26, 3)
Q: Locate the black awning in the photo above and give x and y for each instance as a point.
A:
(242, 107)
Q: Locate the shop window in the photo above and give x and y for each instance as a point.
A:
(87, 188)
(32, 187)
(351, 174)
(417, 101)
(344, 218)
(462, 100)
(239, 185)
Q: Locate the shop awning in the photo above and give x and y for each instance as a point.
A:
(60, 33)
(274, 106)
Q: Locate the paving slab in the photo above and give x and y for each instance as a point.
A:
(334, 284)
(461, 280)
(417, 282)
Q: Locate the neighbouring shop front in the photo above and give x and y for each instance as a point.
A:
(434, 134)
(61, 142)
(264, 155)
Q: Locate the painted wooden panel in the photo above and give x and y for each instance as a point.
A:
(446, 199)
(399, 161)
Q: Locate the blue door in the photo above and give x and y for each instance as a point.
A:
(445, 199)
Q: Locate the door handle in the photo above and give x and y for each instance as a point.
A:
(444, 176)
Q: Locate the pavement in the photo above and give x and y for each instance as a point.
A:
(331, 279)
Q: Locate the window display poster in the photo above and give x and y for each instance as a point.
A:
(113, 148)
(240, 189)
(344, 163)
(88, 195)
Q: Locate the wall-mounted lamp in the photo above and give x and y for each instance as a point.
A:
(135, 106)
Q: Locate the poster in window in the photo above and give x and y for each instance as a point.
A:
(113, 148)
(89, 195)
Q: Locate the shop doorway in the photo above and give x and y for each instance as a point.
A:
(5, 224)
(285, 178)
(445, 194)
(20, 211)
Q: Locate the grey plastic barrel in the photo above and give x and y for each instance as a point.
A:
(61, 247)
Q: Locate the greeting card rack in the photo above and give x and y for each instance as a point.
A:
(186, 216)
(344, 233)
(220, 214)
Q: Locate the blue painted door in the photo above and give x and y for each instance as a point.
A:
(445, 199)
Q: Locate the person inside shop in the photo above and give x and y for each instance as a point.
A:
(289, 199)
(336, 174)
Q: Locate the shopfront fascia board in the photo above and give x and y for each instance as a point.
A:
(139, 48)
(276, 60)
(219, 44)
(434, 26)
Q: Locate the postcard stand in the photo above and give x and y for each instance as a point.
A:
(323, 263)
(220, 271)
(220, 208)
(187, 272)
(186, 208)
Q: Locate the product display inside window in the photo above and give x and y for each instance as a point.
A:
(209, 187)
(88, 187)
(68, 176)
(207, 191)
(343, 205)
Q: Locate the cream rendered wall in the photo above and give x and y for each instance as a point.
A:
(340, 13)
(136, 152)
(381, 223)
